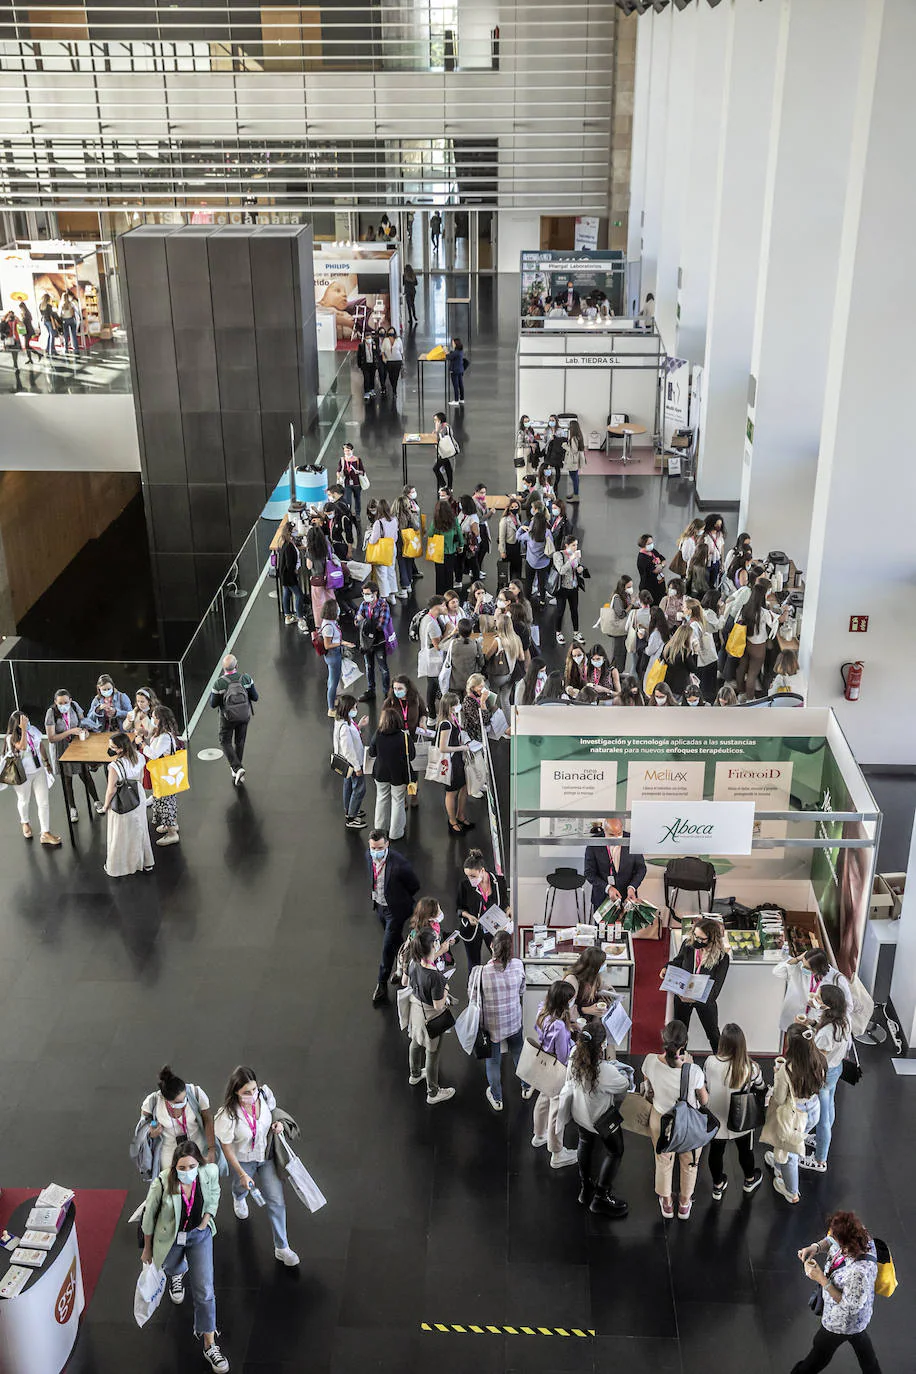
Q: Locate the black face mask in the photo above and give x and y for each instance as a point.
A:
(112, 753)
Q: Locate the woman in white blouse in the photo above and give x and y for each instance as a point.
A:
(386, 527)
(27, 755)
(244, 1125)
(164, 741)
(731, 1070)
(179, 1109)
(662, 1086)
(348, 743)
(760, 624)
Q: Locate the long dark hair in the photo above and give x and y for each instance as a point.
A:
(621, 589)
(538, 527)
(531, 678)
(126, 746)
(237, 1080)
(553, 689)
(501, 949)
(443, 518)
(316, 543)
(587, 971)
(168, 725)
(659, 621)
(806, 1065)
(585, 1060)
(834, 1013)
(556, 1004)
(184, 1149)
(630, 692)
(14, 726)
(733, 1048)
(390, 721)
(752, 609)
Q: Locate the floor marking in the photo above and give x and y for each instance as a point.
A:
(585, 1335)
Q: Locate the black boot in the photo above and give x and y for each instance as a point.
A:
(586, 1191)
(380, 995)
(607, 1205)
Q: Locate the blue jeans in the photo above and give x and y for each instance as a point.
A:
(789, 1170)
(196, 1258)
(354, 789)
(70, 333)
(354, 499)
(334, 659)
(493, 1062)
(379, 658)
(828, 1114)
(293, 596)
(265, 1177)
(49, 345)
(574, 478)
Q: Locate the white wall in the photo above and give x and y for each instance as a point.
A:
(518, 231)
(62, 433)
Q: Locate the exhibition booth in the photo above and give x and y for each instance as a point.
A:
(610, 373)
(52, 266)
(357, 289)
(772, 802)
(596, 274)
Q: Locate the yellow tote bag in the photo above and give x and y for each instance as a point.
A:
(435, 355)
(169, 776)
(411, 543)
(381, 552)
(655, 675)
(435, 548)
(736, 643)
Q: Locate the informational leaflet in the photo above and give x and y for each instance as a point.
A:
(495, 919)
(574, 785)
(616, 1022)
(692, 986)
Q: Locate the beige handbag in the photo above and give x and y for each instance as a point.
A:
(541, 1069)
(634, 1111)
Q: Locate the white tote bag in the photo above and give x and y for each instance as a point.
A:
(300, 1180)
(468, 1023)
(403, 1000)
(439, 767)
(148, 1293)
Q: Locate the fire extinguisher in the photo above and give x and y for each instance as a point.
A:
(852, 680)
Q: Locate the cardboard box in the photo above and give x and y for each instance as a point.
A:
(887, 896)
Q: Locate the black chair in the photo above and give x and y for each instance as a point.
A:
(563, 880)
(689, 875)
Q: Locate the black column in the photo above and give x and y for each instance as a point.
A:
(221, 325)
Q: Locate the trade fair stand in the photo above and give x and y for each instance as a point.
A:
(774, 802)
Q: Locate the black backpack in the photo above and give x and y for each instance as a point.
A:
(236, 703)
(413, 631)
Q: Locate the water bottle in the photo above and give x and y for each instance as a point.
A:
(257, 1197)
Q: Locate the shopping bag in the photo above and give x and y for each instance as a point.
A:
(655, 675)
(541, 1069)
(363, 482)
(350, 671)
(445, 674)
(439, 767)
(435, 548)
(357, 570)
(148, 1293)
(635, 1109)
(736, 643)
(169, 776)
(334, 578)
(411, 543)
(467, 1026)
(475, 772)
(299, 1178)
(403, 998)
(381, 552)
(498, 725)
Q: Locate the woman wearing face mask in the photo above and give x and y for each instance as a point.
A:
(428, 997)
(622, 603)
(478, 890)
(714, 538)
(726, 696)
(574, 452)
(692, 694)
(129, 848)
(427, 915)
(163, 741)
(407, 514)
(650, 565)
(760, 626)
(672, 603)
(662, 695)
(532, 684)
(385, 526)
(704, 648)
(348, 743)
(679, 658)
(797, 1080)
(510, 551)
(393, 751)
(499, 984)
(179, 1110)
(661, 1086)
(600, 676)
(178, 1229)
(659, 635)
(138, 723)
(26, 747)
(574, 671)
(703, 952)
(832, 1036)
(393, 353)
(109, 708)
(570, 570)
(448, 741)
(539, 550)
(243, 1127)
(405, 700)
(62, 724)
(596, 1082)
(558, 524)
(554, 1031)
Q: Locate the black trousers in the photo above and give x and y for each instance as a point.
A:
(619, 653)
(744, 1144)
(443, 472)
(708, 1013)
(568, 596)
(66, 777)
(232, 742)
(610, 1152)
(368, 371)
(827, 1343)
(393, 927)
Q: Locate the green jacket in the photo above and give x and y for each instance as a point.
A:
(454, 539)
(163, 1209)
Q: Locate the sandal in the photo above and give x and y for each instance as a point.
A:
(26, 831)
(455, 829)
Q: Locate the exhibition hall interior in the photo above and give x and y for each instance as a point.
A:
(392, 394)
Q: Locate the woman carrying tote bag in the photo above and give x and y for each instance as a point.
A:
(732, 1079)
(554, 1032)
(793, 1108)
(129, 848)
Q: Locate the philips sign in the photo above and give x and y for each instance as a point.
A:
(685, 827)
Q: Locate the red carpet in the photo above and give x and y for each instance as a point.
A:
(648, 1001)
(97, 1214)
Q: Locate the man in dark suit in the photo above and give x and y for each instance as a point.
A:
(394, 887)
(612, 870)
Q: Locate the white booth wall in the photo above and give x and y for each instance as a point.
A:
(619, 372)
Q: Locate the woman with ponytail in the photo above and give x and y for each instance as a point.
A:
(794, 1107)
(595, 1086)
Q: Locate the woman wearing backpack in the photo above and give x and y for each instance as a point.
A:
(179, 1109)
(446, 450)
(731, 1070)
(596, 1083)
(794, 1107)
(662, 1086)
(129, 848)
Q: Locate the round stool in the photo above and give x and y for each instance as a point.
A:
(563, 880)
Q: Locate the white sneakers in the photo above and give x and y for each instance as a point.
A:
(562, 1158)
(286, 1256)
(538, 1140)
(443, 1095)
(493, 1101)
(416, 1078)
(240, 1207)
(782, 1190)
(215, 1358)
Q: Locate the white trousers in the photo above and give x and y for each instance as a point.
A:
(36, 782)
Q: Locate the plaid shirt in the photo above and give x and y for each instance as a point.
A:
(501, 998)
(379, 617)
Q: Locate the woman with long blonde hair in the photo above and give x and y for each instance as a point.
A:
(678, 654)
(503, 651)
(705, 951)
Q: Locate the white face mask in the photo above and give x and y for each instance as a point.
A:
(107, 691)
(597, 662)
(661, 701)
(577, 658)
(650, 546)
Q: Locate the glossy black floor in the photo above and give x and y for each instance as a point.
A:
(254, 941)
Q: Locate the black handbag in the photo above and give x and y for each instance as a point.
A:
(439, 1024)
(608, 1123)
(746, 1110)
(127, 794)
(341, 765)
(483, 1044)
(851, 1072)
(816, 1301)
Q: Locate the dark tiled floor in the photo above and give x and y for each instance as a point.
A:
(253, 940)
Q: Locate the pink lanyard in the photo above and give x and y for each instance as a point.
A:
(252, 1123)
(405, 711)
(181, 1116)
(697, 960)
(189, 1203)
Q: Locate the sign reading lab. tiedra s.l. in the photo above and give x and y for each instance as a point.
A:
(688, 827)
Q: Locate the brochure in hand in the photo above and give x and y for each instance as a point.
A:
(692, 986)
(616, 1022)
(495, 919)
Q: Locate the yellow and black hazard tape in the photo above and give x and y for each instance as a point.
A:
(468, 1329)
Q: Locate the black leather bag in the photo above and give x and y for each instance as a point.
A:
(439, 1024)
(127, 794)
(483, 1044)
(746, 1110)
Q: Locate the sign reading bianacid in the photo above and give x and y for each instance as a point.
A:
(689, 827)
